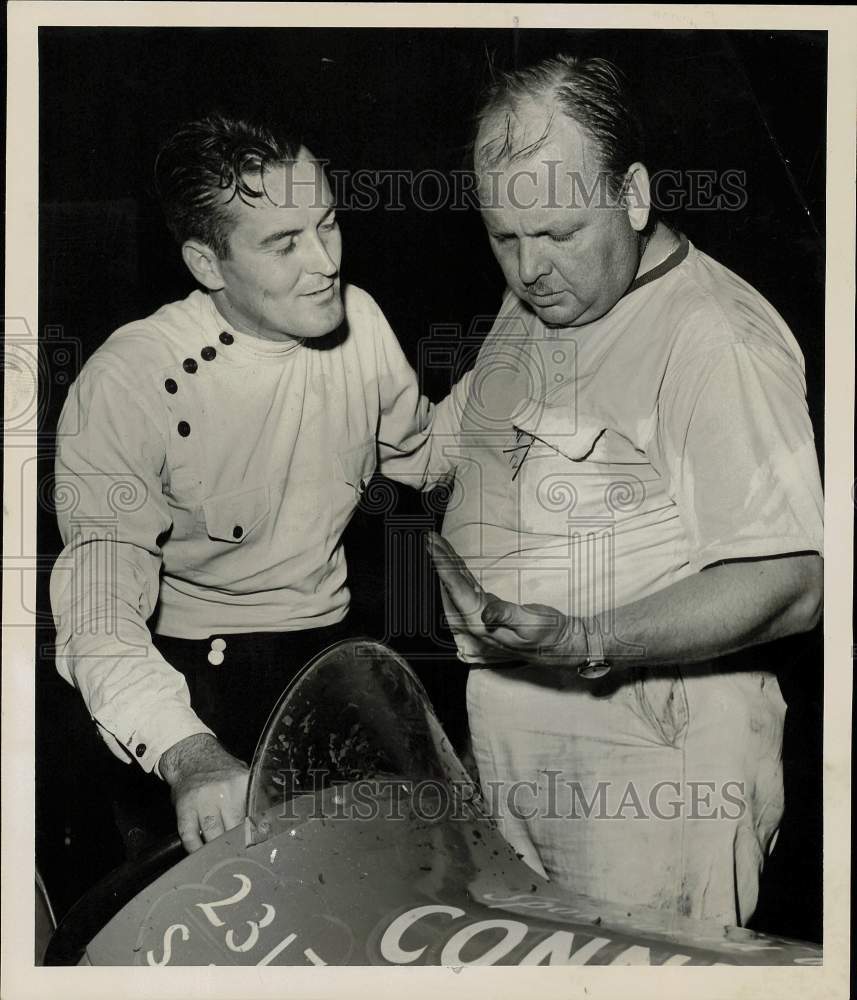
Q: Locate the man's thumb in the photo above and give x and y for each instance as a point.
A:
(496, 613)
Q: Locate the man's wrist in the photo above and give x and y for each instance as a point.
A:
(188, 755)
(596, 664)
(571, 649)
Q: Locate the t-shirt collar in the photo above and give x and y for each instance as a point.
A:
(666, 265)
(257, 346)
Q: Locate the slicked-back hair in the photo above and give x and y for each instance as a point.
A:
(202, 167)
(592, 92)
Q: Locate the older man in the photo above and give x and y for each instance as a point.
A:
(215, 452)
(637, 498)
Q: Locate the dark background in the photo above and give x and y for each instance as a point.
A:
(403, 99)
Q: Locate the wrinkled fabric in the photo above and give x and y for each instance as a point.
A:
(596, 466)
(672, 805)
(203, 482)
(599, 464)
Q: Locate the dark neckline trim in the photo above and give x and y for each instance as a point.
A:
(674, 259)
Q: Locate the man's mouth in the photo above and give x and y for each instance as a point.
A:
(321, 293)
(543, 298)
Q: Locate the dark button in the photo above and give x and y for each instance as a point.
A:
(189, 365)
(226, 338)
(170, 385)
(208, 354)
(140, 749)
(237, 531)
(184, 428)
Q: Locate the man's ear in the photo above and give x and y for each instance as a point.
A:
(203, 264)
(636, 196)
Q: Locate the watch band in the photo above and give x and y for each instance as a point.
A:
(596, 664)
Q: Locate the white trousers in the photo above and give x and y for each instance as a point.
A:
(663, 790)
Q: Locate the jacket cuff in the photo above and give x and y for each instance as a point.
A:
(147, 742)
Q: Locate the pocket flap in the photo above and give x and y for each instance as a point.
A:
(572, 435)
(231, 517)
(357, 464)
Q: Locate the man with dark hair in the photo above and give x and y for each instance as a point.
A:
(637, 501)
(216, 451)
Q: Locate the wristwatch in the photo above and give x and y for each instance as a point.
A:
(597, 665)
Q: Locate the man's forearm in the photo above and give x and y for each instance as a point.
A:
(716, 612)
(140, 703)
(195, 753)
(707, 615)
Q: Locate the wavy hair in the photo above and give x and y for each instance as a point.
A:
(206, 158)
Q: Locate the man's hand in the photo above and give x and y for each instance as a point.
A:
(503, 631)
(718, 611)
(208, 788)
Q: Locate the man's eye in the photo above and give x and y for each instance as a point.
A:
(330, 225)
(287, 249)
(563, 237)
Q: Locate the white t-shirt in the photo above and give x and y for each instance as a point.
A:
(210, 475)
(599, 464)
(596, 466)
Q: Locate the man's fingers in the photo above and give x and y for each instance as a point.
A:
(512, 625)
(527, 620)
(451, 570)
(467, 604)
(462, 596)
(233, 818)
(211, 826)
(448, 561)
(464, 593)
(206, 809)
(188, 826)
(233, 806)
(463, 607)
(442, 549)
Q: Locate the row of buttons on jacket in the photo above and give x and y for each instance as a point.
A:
(208, 353)
(190, 365)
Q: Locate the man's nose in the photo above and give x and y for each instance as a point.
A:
(532, 262)
(319, 259)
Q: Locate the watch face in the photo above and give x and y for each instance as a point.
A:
(592, 671)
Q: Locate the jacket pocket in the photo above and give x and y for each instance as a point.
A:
(572, 435)
(581, 470)
(355, 466)
(231, 517)
(551, 484)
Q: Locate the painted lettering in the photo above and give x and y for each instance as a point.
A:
(209, 908)
(254, 925)
(391, 949)
(515, 934)
(168, 944)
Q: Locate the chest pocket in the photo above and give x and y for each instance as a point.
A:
(576, 472)
(232, 517)
(354, 468)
